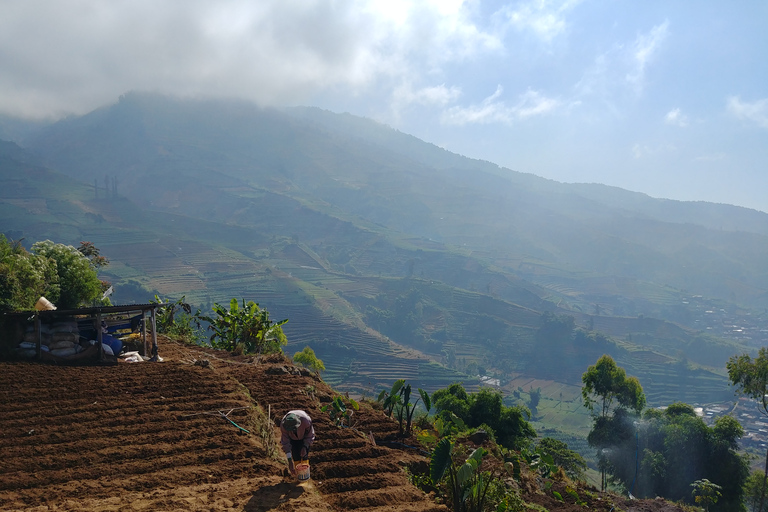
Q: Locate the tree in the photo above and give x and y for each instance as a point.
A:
(308, 359)
(705, 492)
(607, 381)
(604, 383)
(534, 398)
(572, 462)
(661, 454)
(78, 280)
(25, 277)
(751, 377)
(485, 407)
(453, 399)
(753, 488)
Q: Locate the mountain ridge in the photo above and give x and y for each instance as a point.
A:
(214, 200)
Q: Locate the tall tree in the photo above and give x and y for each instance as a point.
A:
(605, 383)
(751, 377)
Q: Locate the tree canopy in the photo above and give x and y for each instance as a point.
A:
(751, 378)
(485, 408)
(308, 359)
(62, 273)
(605, 382)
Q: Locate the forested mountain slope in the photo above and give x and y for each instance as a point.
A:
(391, 257)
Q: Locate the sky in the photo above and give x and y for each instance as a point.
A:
(664, 97)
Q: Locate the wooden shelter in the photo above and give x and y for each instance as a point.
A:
(30, 327)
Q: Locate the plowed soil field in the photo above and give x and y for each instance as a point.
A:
(171, 435)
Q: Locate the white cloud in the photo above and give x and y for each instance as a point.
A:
(676, 117)
(642, 53)
(756, 112)
(546, 19)
(435, 95)
(491, 110)
(75, 56)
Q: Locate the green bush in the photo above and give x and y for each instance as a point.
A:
(66, 276)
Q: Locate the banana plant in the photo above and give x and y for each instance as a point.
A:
(466, 485)
(247, 325)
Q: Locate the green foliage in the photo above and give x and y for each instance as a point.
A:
(463, 484)
(397, 400)
(536, 459)
(557, 495)
(391, 398)
(705, 492)
(245, 327)
(535, 398)
(664, 452)
(177, 320)
(63, 274)
(308, 359)
(25, 277)
(443, 426)
(78, 281)
(339, 412)
(572, 462)
(753, 490)
(605, 382)
(509, 424)
(751, 378)
(608, 382)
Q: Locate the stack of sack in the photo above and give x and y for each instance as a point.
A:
(60, 338)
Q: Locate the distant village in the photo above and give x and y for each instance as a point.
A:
(743, 327)
(732, 324)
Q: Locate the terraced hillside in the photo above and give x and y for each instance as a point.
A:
(150, 437)
(192, 433)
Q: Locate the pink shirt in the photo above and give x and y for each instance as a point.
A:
(305, 431)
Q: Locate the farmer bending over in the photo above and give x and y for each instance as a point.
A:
(296, 436)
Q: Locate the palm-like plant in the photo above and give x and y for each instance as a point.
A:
(466, 485)
(245, 325)
(397, 400)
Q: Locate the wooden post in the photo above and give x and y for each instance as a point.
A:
(144, 331)
(39, 333)
(154, 335)
(98, 336)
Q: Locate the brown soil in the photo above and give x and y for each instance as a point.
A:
(152, 437)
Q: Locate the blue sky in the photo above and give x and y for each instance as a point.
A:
(669, 98)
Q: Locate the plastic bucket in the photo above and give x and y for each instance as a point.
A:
(302, 471)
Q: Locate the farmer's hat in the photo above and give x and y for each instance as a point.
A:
(291, 422)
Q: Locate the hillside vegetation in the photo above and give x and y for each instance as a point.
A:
(393, 258)
(198, 432)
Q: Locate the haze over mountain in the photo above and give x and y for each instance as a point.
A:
(666, 98)
(394, 258)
